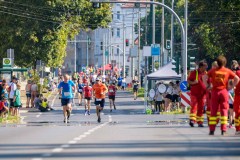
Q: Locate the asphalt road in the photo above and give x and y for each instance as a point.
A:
(126, 133)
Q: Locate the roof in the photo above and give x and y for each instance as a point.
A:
(164, 73)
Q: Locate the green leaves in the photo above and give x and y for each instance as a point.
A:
(39, 30)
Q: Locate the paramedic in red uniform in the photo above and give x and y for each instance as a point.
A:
(219, 99)
(198, 91)
(236, 104)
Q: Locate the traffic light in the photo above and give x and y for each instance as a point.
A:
(96, 5)
(101, 46)
(168, 44)
(191, 63)
(175, 63)
(127, 42)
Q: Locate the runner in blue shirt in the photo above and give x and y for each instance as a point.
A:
(66, 91)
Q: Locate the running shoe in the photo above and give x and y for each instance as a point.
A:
(200, 125)
(110, 110)
(65, 120)
(99, 120)
(86, 113)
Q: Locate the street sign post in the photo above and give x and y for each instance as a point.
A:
(155, 49)
(183, 86)
(7, 62)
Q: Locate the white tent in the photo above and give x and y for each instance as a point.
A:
(164, 73)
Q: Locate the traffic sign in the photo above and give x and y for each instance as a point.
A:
(155, 49)
(183, 86)
(7, 62)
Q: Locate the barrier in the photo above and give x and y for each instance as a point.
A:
(185, 99)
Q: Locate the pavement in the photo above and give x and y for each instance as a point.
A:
(125, 133)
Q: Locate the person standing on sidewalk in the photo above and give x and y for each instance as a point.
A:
(87, 91)
(28, 93)
(220, 77)
(17, 101)
(11, 88)
(34, 92)
(111, 95)
(66, 90)
(198, 91)
(99, 91)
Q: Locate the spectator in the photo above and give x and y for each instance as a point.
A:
(38, 101)
(168, 98)
(44, 107)
(28, 92)
(158, 100)
(11, 89)
(34, 89)
(17, 101)
(3, 107)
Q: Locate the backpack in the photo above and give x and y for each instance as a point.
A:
(189, 86)
(9, 88)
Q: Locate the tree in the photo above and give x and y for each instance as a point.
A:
(39, 30)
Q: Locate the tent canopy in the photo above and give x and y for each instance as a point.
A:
(164, 73)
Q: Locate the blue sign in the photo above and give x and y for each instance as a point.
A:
(183, 86)
(155, 49)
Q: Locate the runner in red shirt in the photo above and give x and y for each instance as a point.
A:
(111, 95)
(87, 90)
(220, 77)
(236, 106)
(198, 91)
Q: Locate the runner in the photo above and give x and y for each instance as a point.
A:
(111, 95)
(135, 88)
(219, 98)
(80, 91)
(99, 91)
(87, 90)
(66, 90)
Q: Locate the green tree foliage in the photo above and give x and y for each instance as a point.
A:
(214, 26)
(39, 29)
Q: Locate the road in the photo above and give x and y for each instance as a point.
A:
(126, 133)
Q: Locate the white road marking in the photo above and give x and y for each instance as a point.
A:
(38, 115)
(36, 159)
(72, 142)
(65, 146)
(47, 155)
(57, 150)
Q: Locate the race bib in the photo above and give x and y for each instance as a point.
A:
(66, 94)
(98, 99)
(111, 90)
(79, 90)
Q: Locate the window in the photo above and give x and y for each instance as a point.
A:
(118, 15)
(117, 49)
(118, 32)
(112, 32)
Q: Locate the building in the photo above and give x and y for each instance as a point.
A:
(108, 41)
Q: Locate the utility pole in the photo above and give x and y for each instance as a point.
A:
(124, 46)
(87, 51)
(104, 49)
(162, 38)
(153, 34)
(184, 55)
(132, 58)
(139, 45)
(172, 31)
(75, 54)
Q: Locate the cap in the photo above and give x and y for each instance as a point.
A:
(234, 62)
(97, 79)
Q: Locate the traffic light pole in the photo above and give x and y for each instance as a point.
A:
(183, 35)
